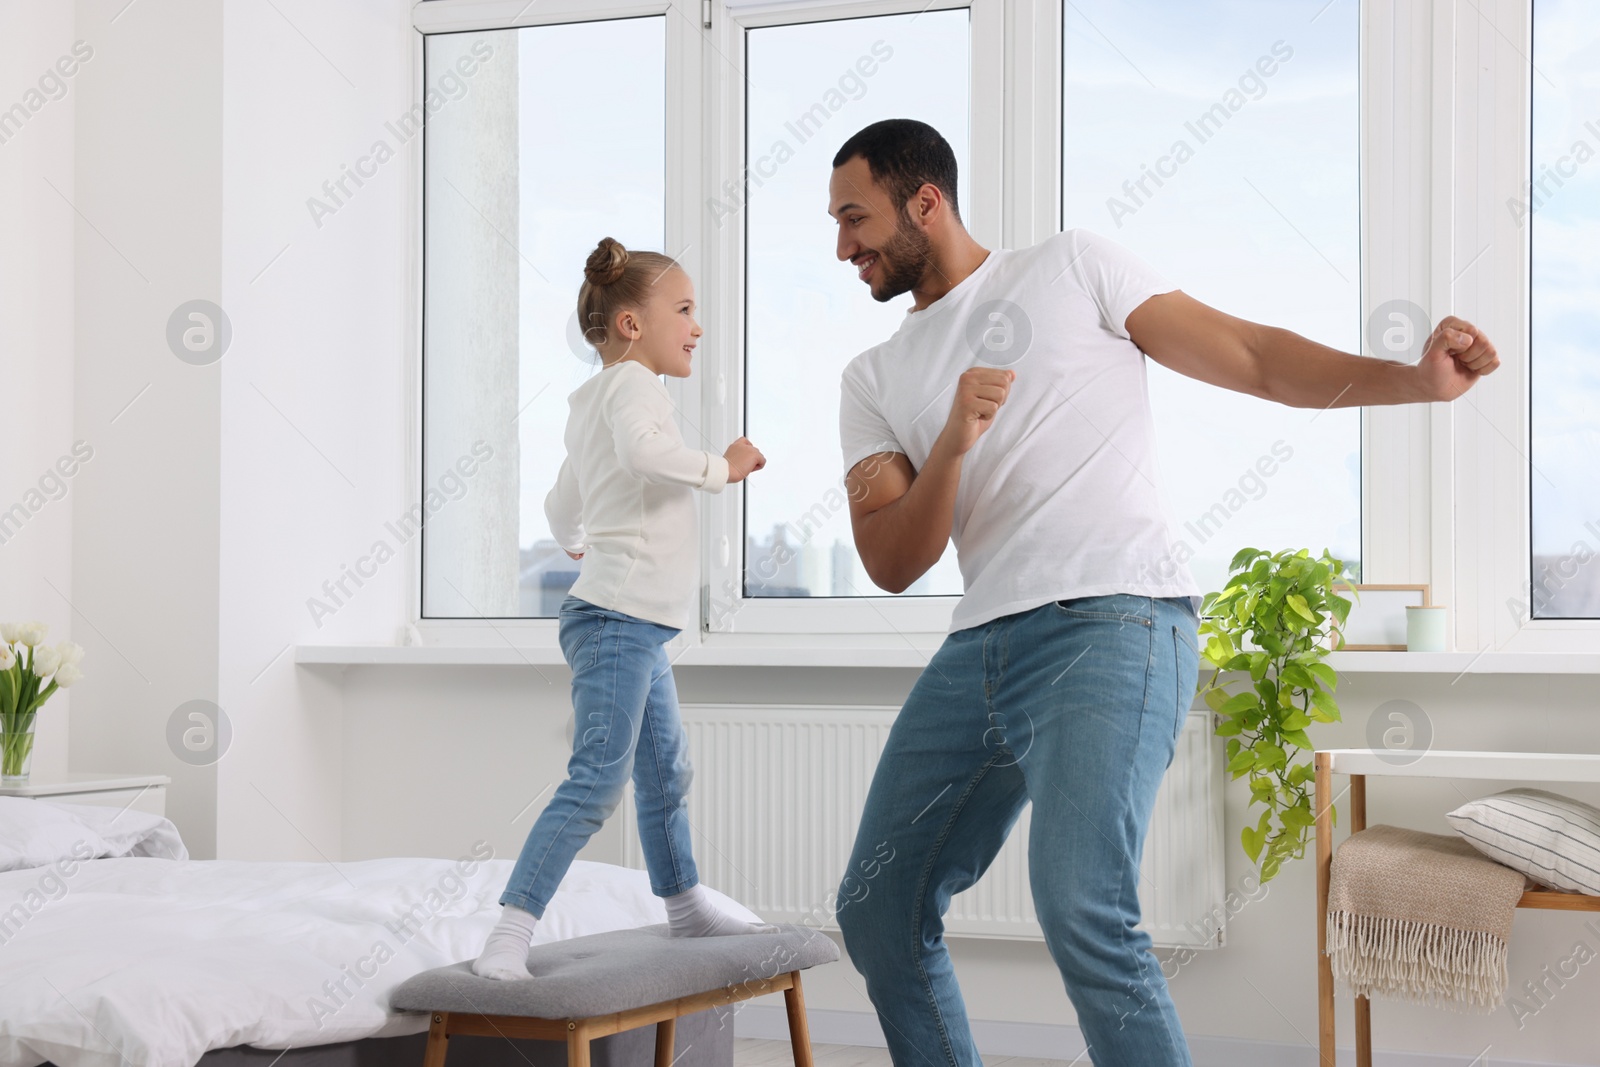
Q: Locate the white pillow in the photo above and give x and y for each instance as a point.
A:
(36, 833)
(1552, 839)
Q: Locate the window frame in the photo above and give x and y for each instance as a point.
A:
(1494, 157)
(1445, 141)
(725, 610)
(1563, 635)
(683, 174)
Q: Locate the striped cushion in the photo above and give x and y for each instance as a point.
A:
(1552, 839)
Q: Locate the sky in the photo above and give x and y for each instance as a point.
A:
(1262, 221)
(807, 315)
(1564, 311)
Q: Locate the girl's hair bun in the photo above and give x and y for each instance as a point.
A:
(606, 263)
(615, 279)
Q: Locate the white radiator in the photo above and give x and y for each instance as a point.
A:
(778, 790)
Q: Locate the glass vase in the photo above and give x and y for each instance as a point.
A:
(16, 751)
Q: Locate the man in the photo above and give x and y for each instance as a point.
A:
(1009, 413)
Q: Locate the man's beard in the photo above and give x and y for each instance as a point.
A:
(903, 258)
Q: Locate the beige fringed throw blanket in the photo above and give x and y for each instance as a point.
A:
(1421, 917)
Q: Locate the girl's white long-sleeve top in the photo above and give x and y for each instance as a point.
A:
(625, 496)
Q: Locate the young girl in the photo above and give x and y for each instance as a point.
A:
(624, 503)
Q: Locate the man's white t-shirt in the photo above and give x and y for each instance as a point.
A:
(1061, 496)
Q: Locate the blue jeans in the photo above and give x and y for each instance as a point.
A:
(626, 722)
(1075, 706)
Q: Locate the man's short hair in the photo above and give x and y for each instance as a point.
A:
(903, 156)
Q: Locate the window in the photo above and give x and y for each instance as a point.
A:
(1561, 204)
(556, 140)
(810, 87)
(1220, 143)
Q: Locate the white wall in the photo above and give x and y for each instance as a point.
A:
(36, 341)
(148, 237)
(314, 440)
(222, 497)
(439, 758)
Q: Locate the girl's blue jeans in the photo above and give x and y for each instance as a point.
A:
(1075, 706)
(626, 724)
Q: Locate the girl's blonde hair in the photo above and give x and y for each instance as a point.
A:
(615, 279)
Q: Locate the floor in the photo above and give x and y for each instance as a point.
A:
(749, 1052)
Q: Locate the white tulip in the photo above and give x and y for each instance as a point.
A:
(8, 659)
(31, 633)
(9, 631)
(45, 661)
(70, 653)
(67, 675)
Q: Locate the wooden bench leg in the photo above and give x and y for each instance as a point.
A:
(438, 1041)
(666, 1033)
(577, 1045)
(799, 1033)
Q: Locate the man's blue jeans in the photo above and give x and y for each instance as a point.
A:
(1075, 706)
(626, 722)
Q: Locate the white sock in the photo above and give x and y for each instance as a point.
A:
(693, 914)
(505, 953)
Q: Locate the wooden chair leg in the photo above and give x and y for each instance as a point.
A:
(799, 1032)
(666, 1033)
(577, 1045)
(1325, 1021)
(1358, 823)
(438, 1041)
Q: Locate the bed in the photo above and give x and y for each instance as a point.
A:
(116, 948)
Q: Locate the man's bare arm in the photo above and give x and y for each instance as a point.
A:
(901, 516)
(1201, 342)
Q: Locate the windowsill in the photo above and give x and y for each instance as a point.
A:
(912, 651)
(744, 650)
(1458, 663)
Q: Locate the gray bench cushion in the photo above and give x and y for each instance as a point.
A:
(603, 973)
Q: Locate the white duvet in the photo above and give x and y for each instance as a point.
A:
(154, 961)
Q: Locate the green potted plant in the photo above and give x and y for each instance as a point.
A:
(1270, 628)
(25, 663)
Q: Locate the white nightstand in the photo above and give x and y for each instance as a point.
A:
(141, 792)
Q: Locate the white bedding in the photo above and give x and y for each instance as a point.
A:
(154, 961)
(35, 833)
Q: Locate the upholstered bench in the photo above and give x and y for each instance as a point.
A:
(588, 987)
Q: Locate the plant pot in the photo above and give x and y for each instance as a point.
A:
(16, 752)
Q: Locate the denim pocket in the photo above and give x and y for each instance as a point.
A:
(1189, 637)
(576, 630)
(1182, 654)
